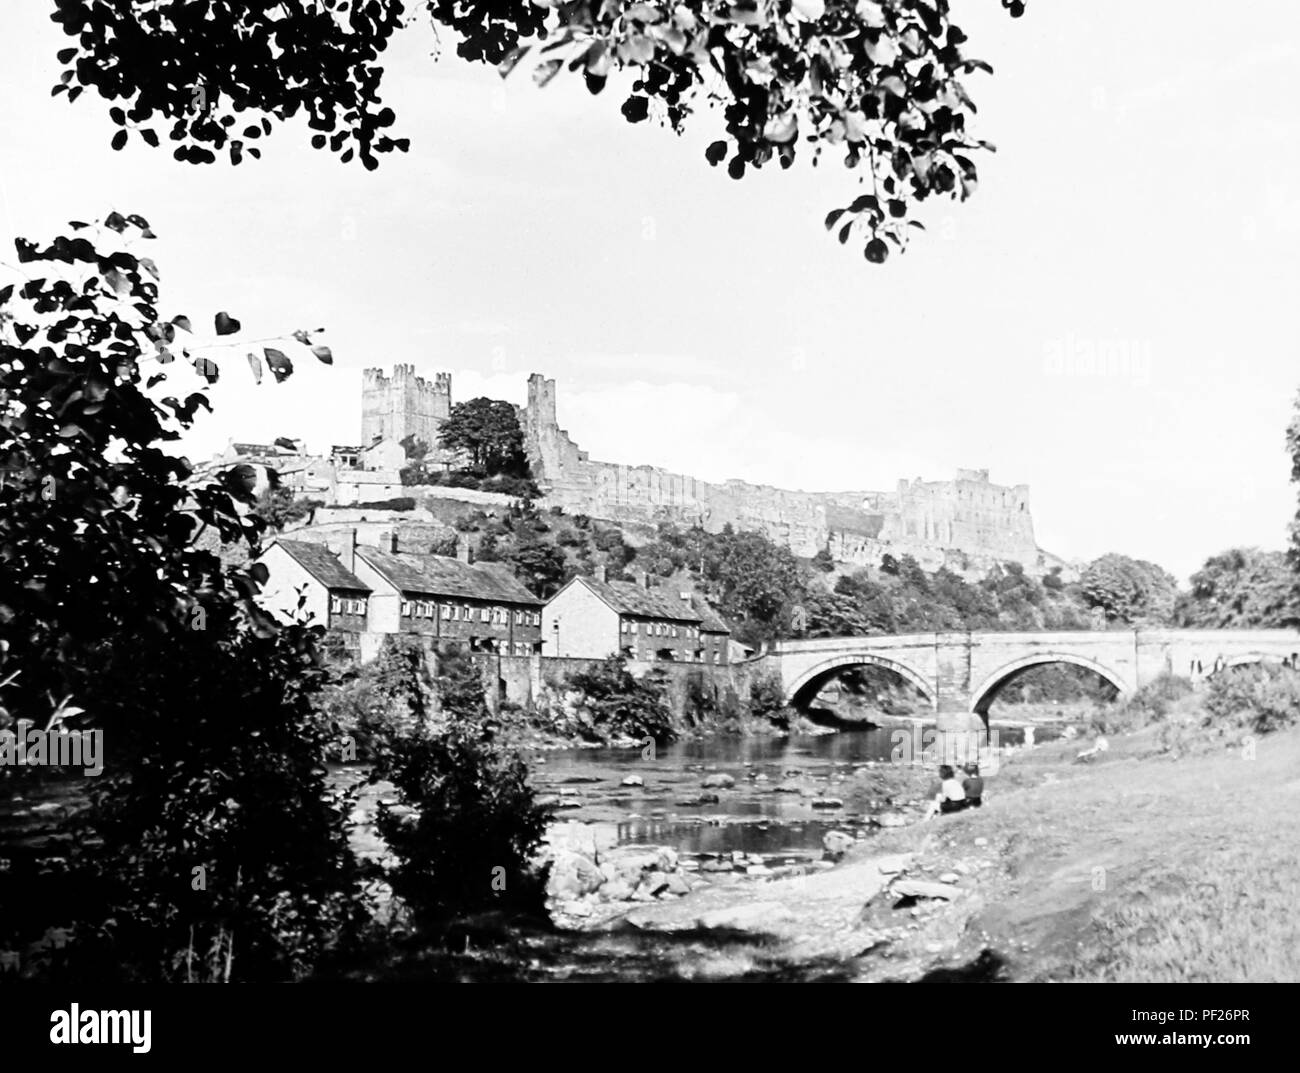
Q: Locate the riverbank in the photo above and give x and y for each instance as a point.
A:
(1123, 869)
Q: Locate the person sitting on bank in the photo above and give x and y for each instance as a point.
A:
(951, 797)
(973, 785)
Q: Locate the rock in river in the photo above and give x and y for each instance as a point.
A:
(632, 780)
(572, 875)
(699, 799)
(837, 843)
(720, 782)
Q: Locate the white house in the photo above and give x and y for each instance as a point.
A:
(592, 617)
(310, 583)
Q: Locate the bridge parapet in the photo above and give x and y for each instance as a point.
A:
(961, 673)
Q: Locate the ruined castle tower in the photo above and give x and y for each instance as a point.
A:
(401, 405)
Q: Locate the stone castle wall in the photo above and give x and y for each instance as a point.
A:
(966, 524)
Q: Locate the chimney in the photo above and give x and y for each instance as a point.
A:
(601, 573)
(643, 579)
(348, 552)
(390, 542)
(462, 550)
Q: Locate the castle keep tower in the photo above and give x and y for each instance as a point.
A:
(403, 405)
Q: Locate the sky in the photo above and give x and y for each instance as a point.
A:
(1108, 320)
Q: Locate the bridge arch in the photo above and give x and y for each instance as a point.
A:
(809, 683)
(982, 697)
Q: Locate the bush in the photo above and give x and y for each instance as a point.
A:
(614, 704)
(1262, 696)
(398, 503)
(467, 823)
(1150, 704)
(381, 700)
(767, 698)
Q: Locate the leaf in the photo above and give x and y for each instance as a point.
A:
(866, 201)
(324, 354)
(119, 140)
(183, 322)
(279, 363)
(833, 216)
(207, 369)
(226, 324)
(546, 71)
(511, 59)
(255, 363)
(876, 251)
(844, 232)
(716, 153)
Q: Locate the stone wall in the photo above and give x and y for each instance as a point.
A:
(966, 524)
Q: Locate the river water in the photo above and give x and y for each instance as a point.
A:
(786, 794)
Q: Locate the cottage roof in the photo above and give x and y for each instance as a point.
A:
(710, 621)
(439, 575)
(627, 598)
(323, 565)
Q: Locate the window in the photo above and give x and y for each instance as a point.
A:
(485, 614)
(469, 613)
(406, 609)
(446, 611)
(674, 631)
(519, 618)
(336, 605)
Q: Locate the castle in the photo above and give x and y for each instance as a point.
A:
(393, 408)
(966, 524)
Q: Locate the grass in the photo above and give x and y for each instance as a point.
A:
(1143, 867)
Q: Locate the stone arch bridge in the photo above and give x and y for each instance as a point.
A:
(961, 673)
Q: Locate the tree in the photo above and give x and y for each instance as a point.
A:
(415, 448)
(758, 580)
(210, 847)
(1242, 588)
(541, 567)
(879, 81)
(488, 431)
(1129, 591)
(466, 823)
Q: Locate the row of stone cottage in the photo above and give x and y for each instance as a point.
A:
(357, 588)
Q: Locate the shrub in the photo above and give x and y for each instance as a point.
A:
(614, 704)
(1261, 696)
(1150, 704)
(466, 823)
(381, 700)
(397, 503)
